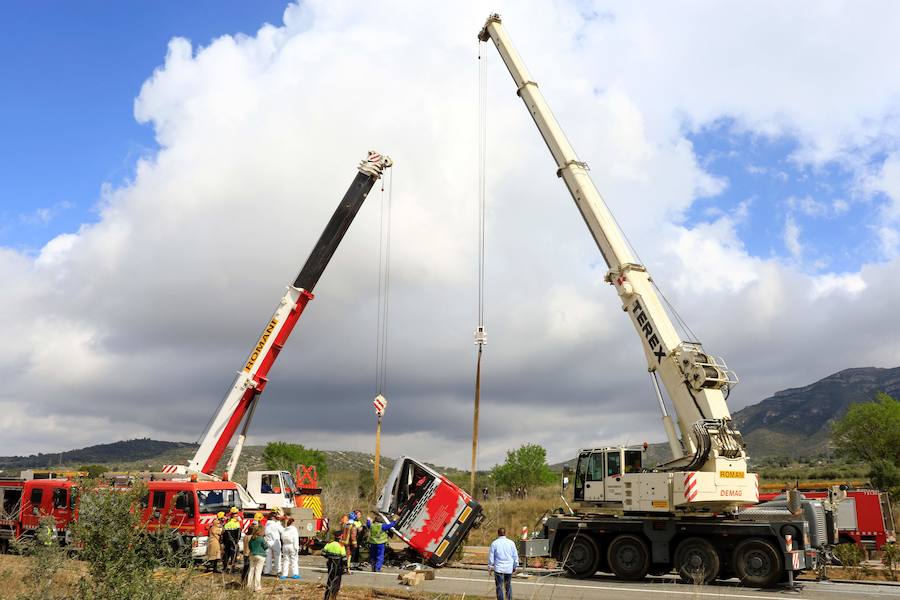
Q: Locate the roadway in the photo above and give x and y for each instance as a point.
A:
(546, 587)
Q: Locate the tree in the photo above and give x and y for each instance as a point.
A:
(283, 456)
(525, 466)
(870, 432)
(93, 471)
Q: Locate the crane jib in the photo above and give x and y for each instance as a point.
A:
(254, 356)
(653, 341)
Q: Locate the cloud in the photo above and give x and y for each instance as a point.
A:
(792, 237)
(134, 324)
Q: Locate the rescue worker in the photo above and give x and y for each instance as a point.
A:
(232, 538)
(378, 537)
(214, 543)
(290, 550)
(256, 524)
(258, 548)
(334, 553)
(273, 539)
(349, 532)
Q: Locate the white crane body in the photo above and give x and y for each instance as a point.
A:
(708, 468)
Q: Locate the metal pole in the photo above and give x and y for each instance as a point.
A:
(475, 422)
(377, 454)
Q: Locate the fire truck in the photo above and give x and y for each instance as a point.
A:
(186, 507)
(862, 517)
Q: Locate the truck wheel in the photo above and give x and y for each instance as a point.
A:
(697, 561)
(579, 555)
(757, 563)
(629, 558)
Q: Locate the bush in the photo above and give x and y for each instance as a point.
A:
(47, 560)
(124, 558)
(890, 557)
(851, 556)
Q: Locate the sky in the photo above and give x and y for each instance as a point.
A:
(165, 169)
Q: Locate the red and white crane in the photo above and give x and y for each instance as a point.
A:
(243, 396)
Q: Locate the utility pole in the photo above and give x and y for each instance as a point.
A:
(480, 341)
(380, 404)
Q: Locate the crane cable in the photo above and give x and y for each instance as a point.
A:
(384, 285)
(480, 332)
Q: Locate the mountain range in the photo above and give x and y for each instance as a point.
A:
(791, 423)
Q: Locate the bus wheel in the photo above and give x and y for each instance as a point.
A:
(629, 558)
(697, 561)
(579, 555)
(757, 563)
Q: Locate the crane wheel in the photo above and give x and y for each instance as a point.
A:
(579, 555)
(757, 563)
(697, 561)
(629, 557)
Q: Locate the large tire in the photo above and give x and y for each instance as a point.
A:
(629, 557)
(579, 555)
(697, 561)
(757, 563)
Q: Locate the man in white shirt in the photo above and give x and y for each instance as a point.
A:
(503, 560)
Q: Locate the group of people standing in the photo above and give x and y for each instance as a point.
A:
(271, 546)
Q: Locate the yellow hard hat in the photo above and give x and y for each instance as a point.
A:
(233, 510)
(258, 517)
(276, 510)
(220, 515)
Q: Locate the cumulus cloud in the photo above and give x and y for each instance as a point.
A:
(133, 325)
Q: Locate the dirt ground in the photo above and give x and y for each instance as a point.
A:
(205, 586)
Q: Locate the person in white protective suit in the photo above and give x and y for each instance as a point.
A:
(273, 538)
(290, 550)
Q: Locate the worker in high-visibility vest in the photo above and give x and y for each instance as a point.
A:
(231, 538)
(378, 537)
(335, 554)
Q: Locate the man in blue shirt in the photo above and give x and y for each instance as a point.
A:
(503, 560)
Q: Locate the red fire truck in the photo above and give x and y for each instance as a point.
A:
(863, 518)
(186, 507)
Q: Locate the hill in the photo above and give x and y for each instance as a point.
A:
(151, 455)
(797, 421)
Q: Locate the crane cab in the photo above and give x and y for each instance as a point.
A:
(272, 488)
(599, 473)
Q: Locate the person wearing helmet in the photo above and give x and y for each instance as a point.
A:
(214, 543)
(231, 537)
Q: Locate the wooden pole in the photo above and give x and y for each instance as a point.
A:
(475, 424)
(377, 454)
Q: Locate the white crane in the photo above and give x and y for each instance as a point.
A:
(708, 467)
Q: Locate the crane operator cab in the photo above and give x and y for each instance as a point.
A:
(433, 514)
(598, 474)
(272, 488)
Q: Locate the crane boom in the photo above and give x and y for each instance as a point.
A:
(250, 381)
(696, 383)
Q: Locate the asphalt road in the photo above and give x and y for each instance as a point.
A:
(478, 583)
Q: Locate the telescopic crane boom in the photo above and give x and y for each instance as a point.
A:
(241, 399)
(697, 384)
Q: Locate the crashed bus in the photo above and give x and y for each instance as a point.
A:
(432, 513)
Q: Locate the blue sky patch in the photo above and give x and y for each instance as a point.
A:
(70, 75)
(811, 216)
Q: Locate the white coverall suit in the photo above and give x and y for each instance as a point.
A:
(273, 554)
(290, 550)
